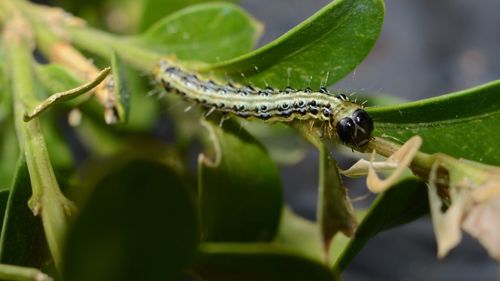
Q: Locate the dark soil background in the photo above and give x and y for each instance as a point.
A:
(426, 48)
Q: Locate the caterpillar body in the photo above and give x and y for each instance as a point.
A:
(351, 123)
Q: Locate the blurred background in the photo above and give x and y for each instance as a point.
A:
(427, 48)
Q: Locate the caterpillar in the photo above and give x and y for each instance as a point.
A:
(348, 119)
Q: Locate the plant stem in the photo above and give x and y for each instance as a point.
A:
(47, 199)
(19, 273)
(104, 44)
(50, 42)
(92, 40)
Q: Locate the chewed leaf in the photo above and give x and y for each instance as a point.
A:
(403, 203)
(472, 198)
(483, 223)
(118, 93)
(334, 210)
(360, 168)
(446, 225)
(398, 162)
(463, 194)
(403, 157)
(489, 191)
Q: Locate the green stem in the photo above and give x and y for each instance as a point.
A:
(47, 198)
(92, 40)
(19, 273)
(103, 44)
(44, 39)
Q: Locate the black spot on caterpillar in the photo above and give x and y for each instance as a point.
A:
(351, 123)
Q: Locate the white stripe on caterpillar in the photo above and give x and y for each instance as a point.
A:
(348, 119)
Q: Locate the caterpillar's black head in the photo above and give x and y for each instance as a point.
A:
(356, 129)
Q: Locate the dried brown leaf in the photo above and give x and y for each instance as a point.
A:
(474, 191)
(402, 157)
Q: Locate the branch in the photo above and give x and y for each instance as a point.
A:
(47, 199)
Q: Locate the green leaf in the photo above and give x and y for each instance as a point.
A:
(4, 196)
(334, 207)
(144, 113)
(20, 273)
(153, 10)
(22, 240)
(120, 92)
(9, 149)
(56, 77)
(300, 235)
(91, 171)
(46, 194)
(138, 224)
(240, 190)
(5, 96)
(403, 203)
(370, 98)
(207, 32)
(329, 44)
(462, 124)
(340, 242)
(284, 144)
(9, 153)
(61, 156)
(257, 262)
(98, 138)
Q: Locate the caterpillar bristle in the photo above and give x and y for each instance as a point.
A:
(337, 112)
(222, 119)
(210, 111)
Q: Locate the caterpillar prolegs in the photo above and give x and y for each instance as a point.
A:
(351, 123)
